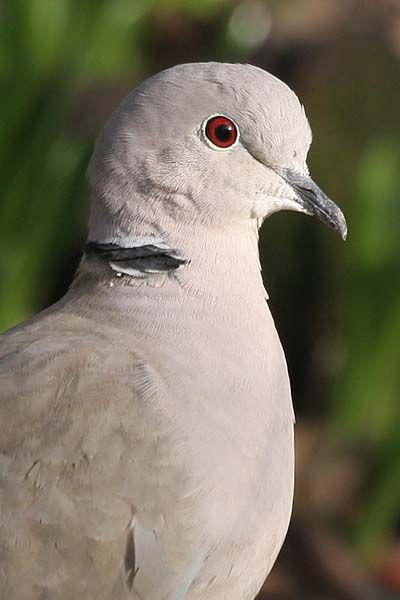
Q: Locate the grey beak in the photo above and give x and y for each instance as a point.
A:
(314, 201)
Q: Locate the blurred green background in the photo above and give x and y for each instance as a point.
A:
(65, 64)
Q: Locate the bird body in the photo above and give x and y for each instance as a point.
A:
(146, 429)
(153, 453)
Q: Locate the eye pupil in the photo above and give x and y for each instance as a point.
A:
(221, 131)
(224, 132)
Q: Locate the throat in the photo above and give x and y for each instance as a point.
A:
(136, 261)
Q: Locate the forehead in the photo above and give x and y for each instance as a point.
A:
(206, 86)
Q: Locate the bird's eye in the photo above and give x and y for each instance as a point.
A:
(221, 131)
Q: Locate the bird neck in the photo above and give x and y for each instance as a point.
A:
(190, 255)
(221, 274)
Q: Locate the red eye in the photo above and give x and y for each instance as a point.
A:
(221, 131)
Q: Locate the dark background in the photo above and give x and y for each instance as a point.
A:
(65, 64)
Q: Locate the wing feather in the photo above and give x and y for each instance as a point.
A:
(82, 458)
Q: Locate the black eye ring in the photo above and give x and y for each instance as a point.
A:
(221, 131)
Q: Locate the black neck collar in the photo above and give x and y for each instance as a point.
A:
(139, 261)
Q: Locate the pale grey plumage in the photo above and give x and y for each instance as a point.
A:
(146, 429)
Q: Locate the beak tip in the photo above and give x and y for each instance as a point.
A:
(342, 225)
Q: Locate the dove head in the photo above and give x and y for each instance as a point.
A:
(206, 146)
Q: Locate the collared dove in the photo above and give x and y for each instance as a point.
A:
(146, 428)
